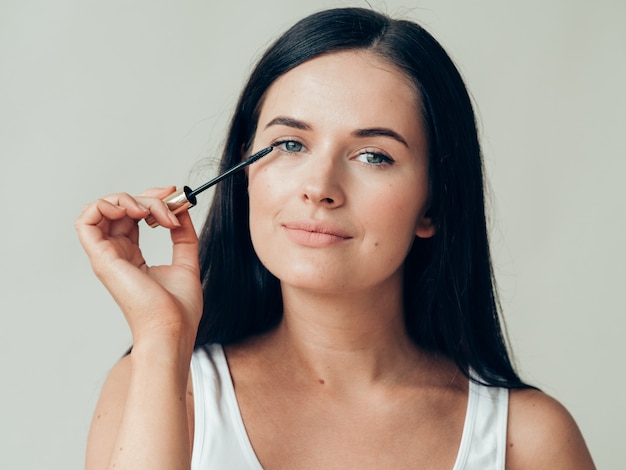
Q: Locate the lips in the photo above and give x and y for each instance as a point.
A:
(315, 234)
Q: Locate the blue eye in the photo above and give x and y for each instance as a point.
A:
(291, 146)
(373, 158)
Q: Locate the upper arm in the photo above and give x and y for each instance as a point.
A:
(108, 414)
(542, 434)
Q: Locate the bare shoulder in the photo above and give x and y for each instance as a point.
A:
(543, 434)
(108, 414)
(109, 411)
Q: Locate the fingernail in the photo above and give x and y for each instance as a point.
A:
(142, 207)
(174, 219)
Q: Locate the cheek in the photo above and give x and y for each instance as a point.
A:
(394, 217)
(260, 187)
(257, 180)
(259, 229)
(258, 194)
(265, 202)
(269, 184)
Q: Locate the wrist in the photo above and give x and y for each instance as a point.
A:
(163, 351)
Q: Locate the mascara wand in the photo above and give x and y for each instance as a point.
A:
(185, 197)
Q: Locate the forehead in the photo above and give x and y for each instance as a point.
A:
(357, 83)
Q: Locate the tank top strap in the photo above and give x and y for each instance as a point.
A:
(483, 445)
(219, 439)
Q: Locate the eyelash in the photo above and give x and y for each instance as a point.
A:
(385, 159)
(279, 144)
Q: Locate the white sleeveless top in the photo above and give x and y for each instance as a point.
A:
(221, 442)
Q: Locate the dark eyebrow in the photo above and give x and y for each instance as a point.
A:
(380, 131)
(370, 132)
(289, 122)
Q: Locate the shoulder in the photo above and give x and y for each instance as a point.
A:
(115, 388)
(542, 434)
(107, 416)
(109, 411)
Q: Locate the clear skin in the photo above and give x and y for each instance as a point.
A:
(334, 210)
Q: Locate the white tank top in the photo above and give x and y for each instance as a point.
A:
(220, 440)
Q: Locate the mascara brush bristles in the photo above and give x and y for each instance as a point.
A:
(230, 171)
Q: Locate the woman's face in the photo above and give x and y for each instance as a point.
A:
(337, 204)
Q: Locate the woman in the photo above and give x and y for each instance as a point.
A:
(342, 312)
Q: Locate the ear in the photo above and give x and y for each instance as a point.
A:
(425, 228)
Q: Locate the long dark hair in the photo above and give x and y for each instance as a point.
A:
(450, 302)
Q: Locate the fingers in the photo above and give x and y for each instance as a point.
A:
(110, 216)
(117, 215)
(113, 207)
(185, 243)
(116, 206)
(153, 200)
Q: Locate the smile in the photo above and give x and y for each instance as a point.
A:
(314, 234)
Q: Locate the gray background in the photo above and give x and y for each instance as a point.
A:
(105, 96)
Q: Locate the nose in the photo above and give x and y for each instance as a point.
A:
(323, 182)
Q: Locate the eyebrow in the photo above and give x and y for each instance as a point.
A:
(380, 131)
(289, 122)
(369, 132)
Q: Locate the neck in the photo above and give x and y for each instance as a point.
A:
(347, 338)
